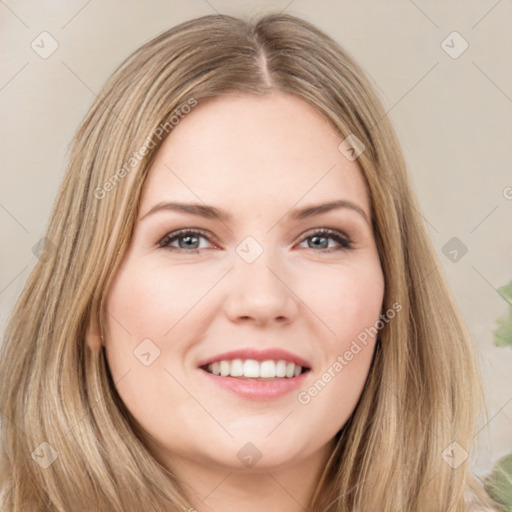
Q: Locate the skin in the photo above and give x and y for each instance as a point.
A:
(257, 158)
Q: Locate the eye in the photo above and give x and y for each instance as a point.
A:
(188, 241)
(320, 240)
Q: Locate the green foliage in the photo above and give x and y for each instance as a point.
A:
(503, 334)
(499, 483)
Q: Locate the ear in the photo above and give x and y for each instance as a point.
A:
(93, 334)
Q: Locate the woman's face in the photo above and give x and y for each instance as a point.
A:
(251, 273)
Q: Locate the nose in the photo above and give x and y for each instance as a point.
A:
(261, 292)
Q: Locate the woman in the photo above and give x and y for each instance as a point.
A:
(238, 305)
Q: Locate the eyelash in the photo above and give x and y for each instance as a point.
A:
(343, 240)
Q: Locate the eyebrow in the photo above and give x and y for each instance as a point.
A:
(310, 211)
(210, 212)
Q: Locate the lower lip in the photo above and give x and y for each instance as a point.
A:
(256, 389)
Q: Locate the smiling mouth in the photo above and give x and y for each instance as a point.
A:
(255, 370)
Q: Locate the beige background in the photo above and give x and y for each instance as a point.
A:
(453, 116)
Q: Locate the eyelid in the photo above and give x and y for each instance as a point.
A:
(184, 231)
(341, 237)
(324, 230)
(343, 240)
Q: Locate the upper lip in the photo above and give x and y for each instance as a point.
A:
(274, 354)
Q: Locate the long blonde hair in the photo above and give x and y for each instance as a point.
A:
(57, 397)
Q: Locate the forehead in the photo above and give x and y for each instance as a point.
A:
(251, 151)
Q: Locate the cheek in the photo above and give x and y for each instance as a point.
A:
(349, 304)
(147, 300)
(137, 310)
(144, 302)
(346, 300)
(151, 313)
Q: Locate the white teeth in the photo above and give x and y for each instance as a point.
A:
(268, 369)
(224, 368)
(251, 368)
(281, 368)
(215, 368)
(237, 368)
